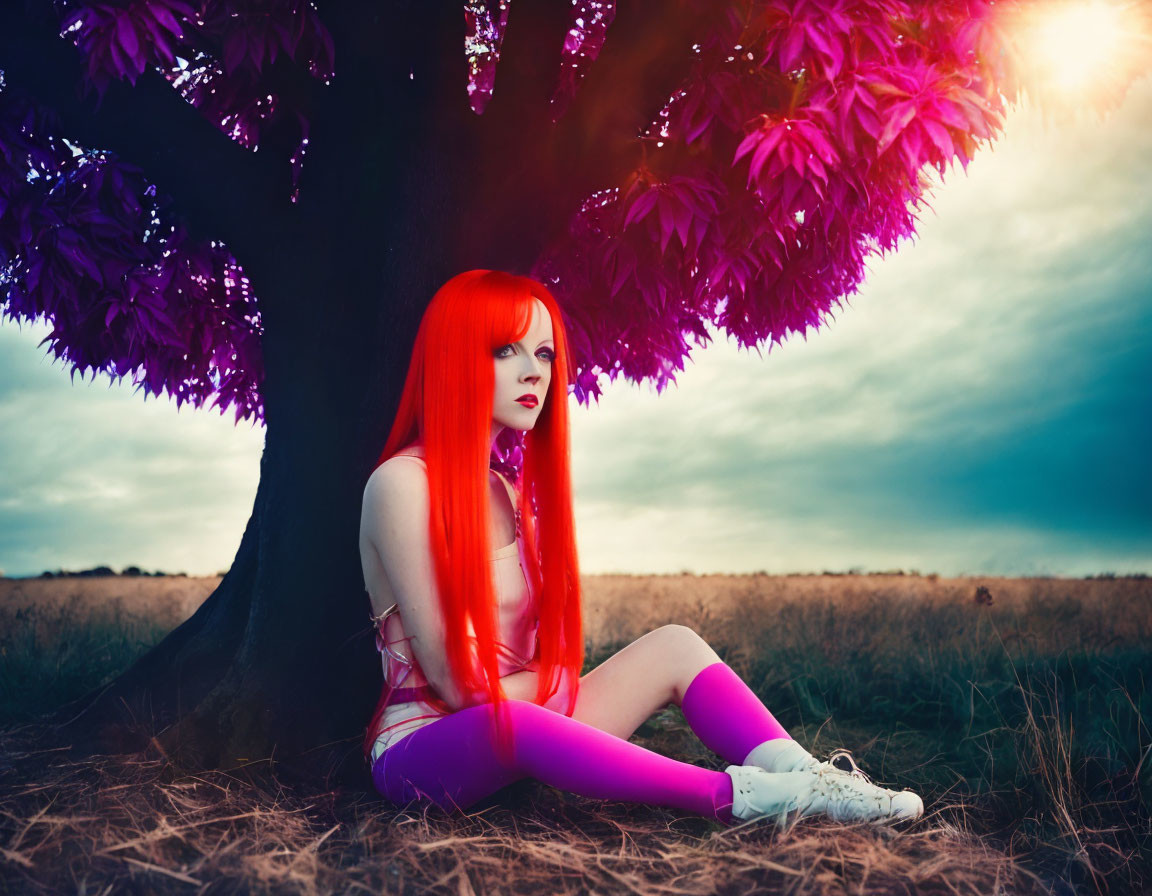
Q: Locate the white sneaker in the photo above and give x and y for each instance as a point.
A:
(850, 796)
(757, 793)
(786, 755)
(782, 754)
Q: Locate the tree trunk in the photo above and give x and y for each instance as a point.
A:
(397, 195)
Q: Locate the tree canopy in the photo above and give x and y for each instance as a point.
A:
(793, 148)
(247, 205)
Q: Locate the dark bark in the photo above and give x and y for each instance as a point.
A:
(176, 674)
(401, 190)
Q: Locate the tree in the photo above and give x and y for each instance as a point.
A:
(254, 201)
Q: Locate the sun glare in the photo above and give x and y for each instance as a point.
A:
(1082, 52)
(1075, 42)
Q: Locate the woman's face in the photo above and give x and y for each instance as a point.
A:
(524, 368)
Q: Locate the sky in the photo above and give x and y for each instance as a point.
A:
(979, 407)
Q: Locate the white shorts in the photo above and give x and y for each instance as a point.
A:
(398, 715)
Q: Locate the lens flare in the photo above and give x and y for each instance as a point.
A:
(1077, 42)
(1082, 53)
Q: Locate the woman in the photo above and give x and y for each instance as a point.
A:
(482, 648)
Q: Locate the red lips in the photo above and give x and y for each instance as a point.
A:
(528, 400)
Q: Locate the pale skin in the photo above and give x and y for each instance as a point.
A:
(619, 694)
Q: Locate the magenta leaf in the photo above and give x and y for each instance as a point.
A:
(837, 106)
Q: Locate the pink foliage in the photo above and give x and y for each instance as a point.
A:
(794, 149)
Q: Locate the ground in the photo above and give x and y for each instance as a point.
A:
(1016, 707)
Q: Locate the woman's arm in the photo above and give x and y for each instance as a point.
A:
(395, 514)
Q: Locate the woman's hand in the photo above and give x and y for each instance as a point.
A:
(522, 686)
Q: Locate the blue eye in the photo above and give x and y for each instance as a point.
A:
(548, 354)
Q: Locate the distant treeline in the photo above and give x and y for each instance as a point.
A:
(104, 571)
(854, 571)
(107, 571)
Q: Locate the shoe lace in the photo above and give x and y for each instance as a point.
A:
(848, 792)
(842, 798)
(846, 762)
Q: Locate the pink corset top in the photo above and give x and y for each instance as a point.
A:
(517, 622)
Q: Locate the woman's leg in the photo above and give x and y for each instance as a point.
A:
(674, 664)
(453, 761)
(642, 678)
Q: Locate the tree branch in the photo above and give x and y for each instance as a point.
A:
(399, 93)
(220, 188)
(646, 57)
(531, 170)
(529, 65)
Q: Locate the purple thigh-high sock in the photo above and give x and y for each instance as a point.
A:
(726, 715)
(453, 761)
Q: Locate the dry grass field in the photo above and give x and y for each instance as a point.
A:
(1019, 708)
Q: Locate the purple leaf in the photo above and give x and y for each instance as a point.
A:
(126, 35)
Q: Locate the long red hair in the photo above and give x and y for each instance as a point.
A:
(447, 401)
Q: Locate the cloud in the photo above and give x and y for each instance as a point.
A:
(981, 404)
(94, 474)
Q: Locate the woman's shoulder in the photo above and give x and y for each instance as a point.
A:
(400, 471)
(407, 459)
(414, 450)
(395, 495)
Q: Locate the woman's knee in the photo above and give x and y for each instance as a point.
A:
(690, 655)
(682, 637)
(677, 630)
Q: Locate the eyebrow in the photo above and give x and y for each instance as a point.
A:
(542, 342)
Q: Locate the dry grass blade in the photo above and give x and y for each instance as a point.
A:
(167, 871)
(165, 832)
(18, 858)
(316, 845)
